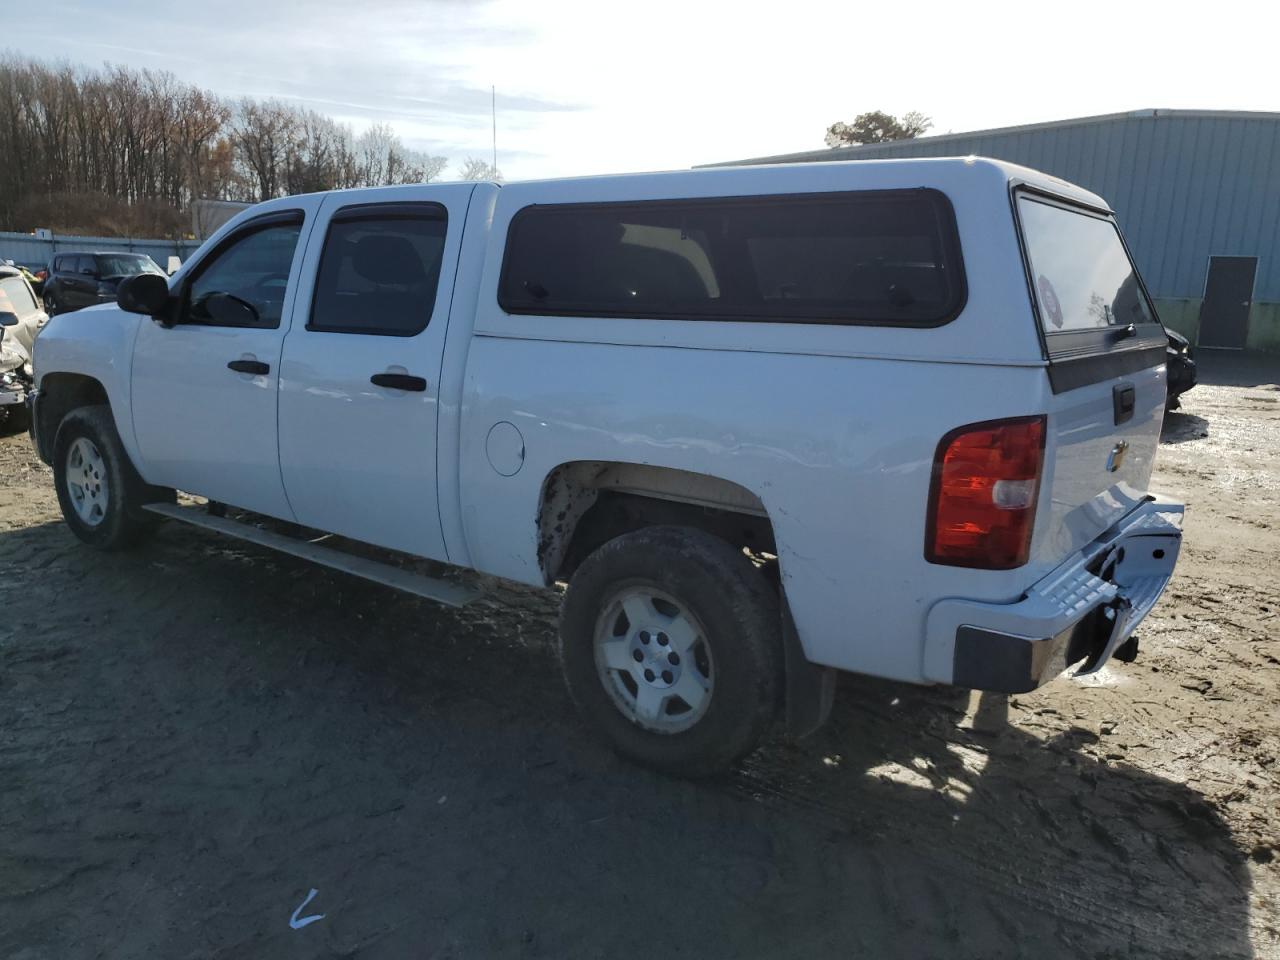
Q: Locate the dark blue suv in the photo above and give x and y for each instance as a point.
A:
(82, 279)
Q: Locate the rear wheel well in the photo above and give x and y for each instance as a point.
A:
(588, 503)
(60, 393)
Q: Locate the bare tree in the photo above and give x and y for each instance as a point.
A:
(263, 136)
(383, 159)
(121, 150)
(204, 154)
(473, 168)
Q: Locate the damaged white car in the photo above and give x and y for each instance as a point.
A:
(21, 318)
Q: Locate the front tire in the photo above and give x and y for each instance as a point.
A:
(671, 648)
(99, 490)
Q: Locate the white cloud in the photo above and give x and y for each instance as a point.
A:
(602, 87)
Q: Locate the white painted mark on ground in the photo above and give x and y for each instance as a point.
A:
(1105, 677)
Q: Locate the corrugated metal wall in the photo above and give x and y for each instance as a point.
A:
(1183, 185)
(32, 252)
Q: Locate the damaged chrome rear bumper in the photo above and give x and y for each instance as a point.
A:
(1082, 613)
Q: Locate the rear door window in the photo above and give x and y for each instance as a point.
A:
(379, 270)
(879, 257)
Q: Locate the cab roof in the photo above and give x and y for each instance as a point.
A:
(852, 174)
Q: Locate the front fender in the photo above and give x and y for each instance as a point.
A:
(95, 342)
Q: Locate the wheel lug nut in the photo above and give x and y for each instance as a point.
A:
(648, 675)
(644, 636)
(666, 676)
(637, 656)
(673, 658)
(662, 639)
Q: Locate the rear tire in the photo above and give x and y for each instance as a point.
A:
(671, 649)
(100, 492)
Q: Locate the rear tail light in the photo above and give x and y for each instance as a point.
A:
(982, 504)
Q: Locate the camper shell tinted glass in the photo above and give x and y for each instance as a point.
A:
(1095, 317)
(876, 257)
(1082, 275)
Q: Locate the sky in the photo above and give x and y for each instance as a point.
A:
(609, 87)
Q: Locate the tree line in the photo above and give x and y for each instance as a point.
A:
(119, 151)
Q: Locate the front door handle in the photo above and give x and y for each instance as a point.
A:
(399, 381)
(249, 366)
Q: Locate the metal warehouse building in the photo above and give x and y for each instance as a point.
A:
(1197, 194)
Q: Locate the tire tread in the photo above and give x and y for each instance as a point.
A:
(727, 590)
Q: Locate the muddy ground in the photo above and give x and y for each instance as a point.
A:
(195, 735)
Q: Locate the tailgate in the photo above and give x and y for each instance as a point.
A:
(1106, 351)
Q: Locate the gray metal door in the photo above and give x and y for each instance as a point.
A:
(1228, 294)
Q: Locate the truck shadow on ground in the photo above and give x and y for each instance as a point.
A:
(1182, 427)
(199, 732)
(1044, 815)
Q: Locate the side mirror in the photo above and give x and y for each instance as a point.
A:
(146, 293)
(231, 310)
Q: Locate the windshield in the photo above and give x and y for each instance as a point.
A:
(1082, 275)
(126, 265)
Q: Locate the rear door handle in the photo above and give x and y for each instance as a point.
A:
(399, 381)
(249, 366)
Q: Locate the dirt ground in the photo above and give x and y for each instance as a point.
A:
(195, 735)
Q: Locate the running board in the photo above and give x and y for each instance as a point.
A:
(432, 589)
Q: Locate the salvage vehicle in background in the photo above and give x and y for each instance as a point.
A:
(1182, 368)
(77, 280)
(764, 422)
(36, 280)
(20, 320)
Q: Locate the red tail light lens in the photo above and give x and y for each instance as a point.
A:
(986, 480)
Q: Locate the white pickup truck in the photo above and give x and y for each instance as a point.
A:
(893, 417)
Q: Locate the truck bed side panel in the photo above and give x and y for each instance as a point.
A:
(845, 490)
